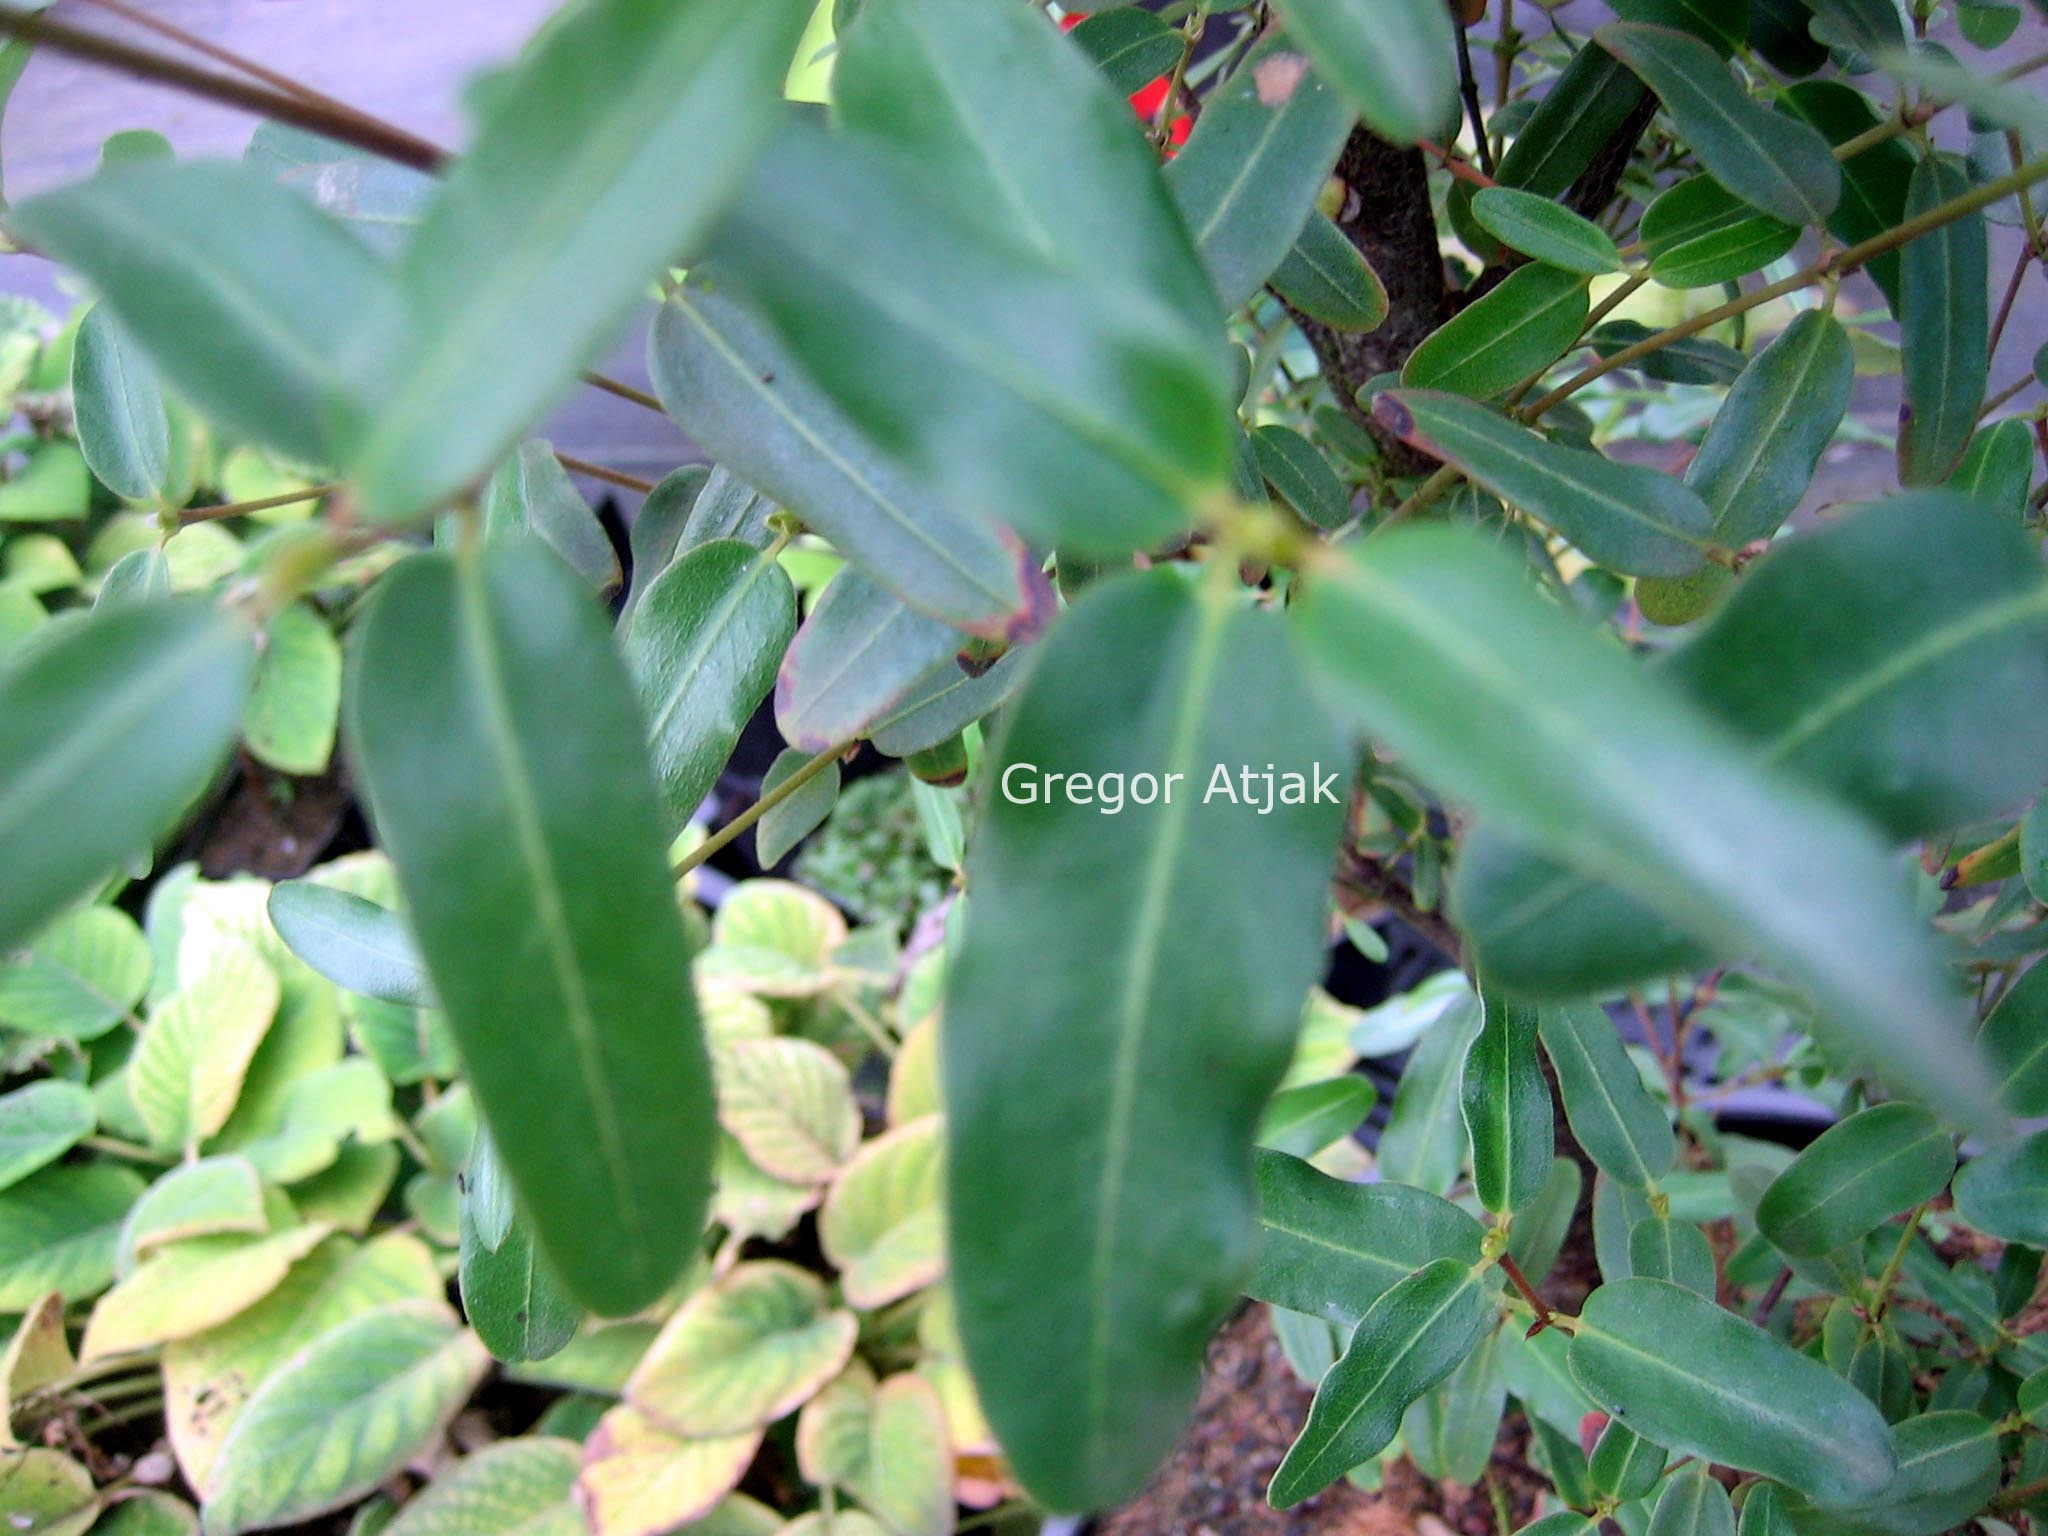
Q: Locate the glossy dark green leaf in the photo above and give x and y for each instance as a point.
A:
(1921, 734)
(1629, 518)
(1331, 1248)
(1300, 476)
(1449, 1431)
(1302, 1121)
(2015, 1043)
(2004, 1192)
(703, 649)
(568, 202)
(1248, 177)
(1696, 1379)
(107, 732)
(1696, 360)
(1410, 1339)
(1860, 1172)
(1540, 228)
(1867, 26)
(1506, 1106)
(124, 428)
(1518, 329)
(660, 531)
(1425, 1142)
(1772, 162)
(1948, 1469)
(354, 943)
(1328, 279)
(1439, 645)
(1070, 1194)
(1780, 31)
(741, 395)
(1944, 329)
(1541, 1227)
(1078, 411)
(1665, 1248)
(509, 1292)
(1998, 469)
(279, 292)
(1624, 1130)
(1593, 96)
(530, 495)
(1395, 59)
(1873, 183)
(1693, 1504)
(496, 733)
(1624, 1465)
(1131, 47)
(1721, 23)
(859, 654)
(1699, 236)
(945, 701)
(791, 821)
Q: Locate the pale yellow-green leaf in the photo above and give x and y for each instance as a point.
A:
(1323, 1048)
(38, 1354)
(883, 1224)
(966, 1425)
(201, 555)
(348, 1194)
(217, 913)
(148, 1512)
(753, 1203)
(521, 1487)
(349, 1101)
(367, 874)
(885, 1445)
(789, 1103)
(742, 1352)
(202, 1199)
(640, 1480)
(208, 1378)
(187, 1069)
(290, 718)
(192, 1286)
(914, 1074)
(58, 1229)
(78, 978)
(730, 1014)
(849, 1522)
(775, 938)
(342, 1415)
(44, 1493)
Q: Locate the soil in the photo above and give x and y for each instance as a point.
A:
(1251, 1407)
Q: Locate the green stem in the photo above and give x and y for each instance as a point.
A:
(114, 1147)
(1890, 1275)
(260, 504)
(601, 472)
(761, 807)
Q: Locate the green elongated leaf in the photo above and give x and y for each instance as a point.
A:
(1629, 518)
(738, 390)
(1664, 1248)
(531, 495)
(1678, 1369)
(943, 81)
(1301, 476)
(1520, 328)
(1624, 1465)
(379, 199)
(1540, 228)
(1425, 1142)
(1412, 1338)
(1693, 1504)
(341, 1416)
(140, 576)
(106, 733)
(544, 233)
(1612, 1115)
(124, 429)
(280, 292)
(1461, 649)
(1131, 47)
(521, 1487)
(1699, 235)
(662, 531)
(1725, 26)
(703, 650)
(1867, 26)
(859, 654)
(1944, 328)
(1080, 412)
(1592, 98)
(1998, 468)
(1858, 1173)
(1913, 640)
(1396, 62)
(2014, 1040)
(945, 702)
(1331, 1249)
(77, 978)
(2004, 1193)
(1506, 1106)
(40, 1123)
(1328, 279)
(496, 734)
(1874, 182)
(1450, 1430)
(354, 943)
(1772, 162)
(791, 821)
(1249, 175)
(1539, 1234)
(1074, 1181)
(1302, 1121)
(511, 1296)
(1948, 1470)
(289, 722)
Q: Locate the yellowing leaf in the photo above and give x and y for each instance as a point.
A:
(38, 1354)
(78, 977)
(775, 939)
(886, 1446)
(914, 1075)
(640, 1480)
(193, 1286)
(789, 1103)
(46, 1494)
(187, 1071)
(882, 1224)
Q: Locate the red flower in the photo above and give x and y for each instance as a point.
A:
(1147, 101)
